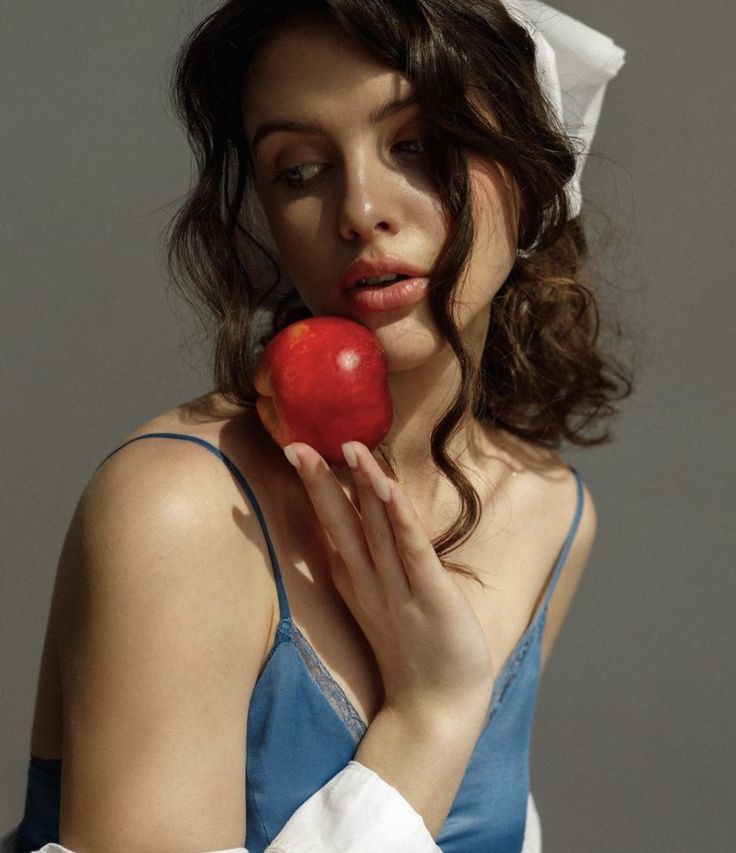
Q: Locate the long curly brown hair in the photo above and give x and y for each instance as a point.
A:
(542, 375)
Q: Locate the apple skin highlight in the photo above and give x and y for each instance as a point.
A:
(324, 381)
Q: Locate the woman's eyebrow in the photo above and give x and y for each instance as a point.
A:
(376, 117)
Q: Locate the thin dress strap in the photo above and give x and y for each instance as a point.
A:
(568, 540)
(284, 611)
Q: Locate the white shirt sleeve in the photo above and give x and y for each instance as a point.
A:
(533, 828)
(356, 811)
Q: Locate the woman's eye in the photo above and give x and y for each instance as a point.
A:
(413, 146)
(298, 175)
(305, 173)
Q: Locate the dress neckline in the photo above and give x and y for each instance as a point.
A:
(286, 627)
(287, 630)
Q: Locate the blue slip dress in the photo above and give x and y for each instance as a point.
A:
(302, 730)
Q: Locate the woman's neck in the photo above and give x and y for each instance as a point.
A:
(421, 396)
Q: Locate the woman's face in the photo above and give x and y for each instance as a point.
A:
(339, 183)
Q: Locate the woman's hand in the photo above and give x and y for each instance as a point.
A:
(429, 646)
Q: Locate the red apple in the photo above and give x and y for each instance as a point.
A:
(323, 381)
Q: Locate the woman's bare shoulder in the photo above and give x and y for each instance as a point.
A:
(233, 429)
(187, 473)
(164, 607)
(543, 482)
(539, 464)
(176, 495)
(547, 501)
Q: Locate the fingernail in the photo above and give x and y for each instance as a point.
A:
(348, 451)
(382, 489)
(292, 455)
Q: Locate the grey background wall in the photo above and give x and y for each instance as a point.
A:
(634, 735)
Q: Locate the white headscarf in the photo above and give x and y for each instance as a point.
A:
(574, 64)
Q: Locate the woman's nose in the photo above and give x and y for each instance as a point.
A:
(369, 204)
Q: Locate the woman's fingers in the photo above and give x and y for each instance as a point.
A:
(373, 488)
(334, 511)
(422, 568)
(417, 554)
(364, 541)
(401, 550)
(386, 539)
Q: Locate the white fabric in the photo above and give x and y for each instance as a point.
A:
(575, 64)
(354, 812)
(533, 828)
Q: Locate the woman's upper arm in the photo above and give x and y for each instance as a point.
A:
(570, 576)
(164, 615)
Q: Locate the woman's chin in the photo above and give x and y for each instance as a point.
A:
(409, 350)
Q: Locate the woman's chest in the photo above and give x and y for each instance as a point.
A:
(513, 562)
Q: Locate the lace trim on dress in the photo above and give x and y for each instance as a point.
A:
(331, 690)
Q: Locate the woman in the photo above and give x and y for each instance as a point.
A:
(209, 580)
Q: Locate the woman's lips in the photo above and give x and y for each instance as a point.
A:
(400, 294)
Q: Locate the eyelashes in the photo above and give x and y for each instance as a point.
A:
(422, 143)
(295, 178)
